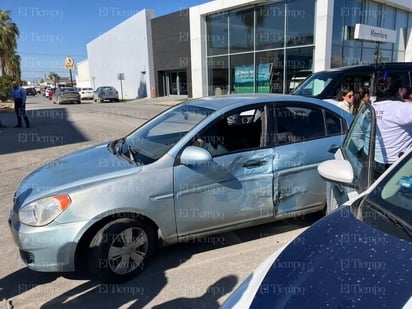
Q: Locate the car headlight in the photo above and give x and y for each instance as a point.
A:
(44, 211)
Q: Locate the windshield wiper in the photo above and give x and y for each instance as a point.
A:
(116, 148)
(131, 154)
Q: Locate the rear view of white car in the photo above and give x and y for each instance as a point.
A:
(86, 93)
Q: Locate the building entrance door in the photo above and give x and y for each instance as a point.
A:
(174, 83)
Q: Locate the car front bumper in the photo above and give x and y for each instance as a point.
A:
(48, 248)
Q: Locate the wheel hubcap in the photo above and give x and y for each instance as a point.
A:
(128, 250)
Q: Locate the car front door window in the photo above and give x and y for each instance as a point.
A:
(359, 147)
(234, 132)
(298, 123)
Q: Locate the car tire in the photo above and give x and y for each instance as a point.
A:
(101, 100)
(120, 249)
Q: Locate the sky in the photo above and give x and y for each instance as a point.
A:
(52, 30)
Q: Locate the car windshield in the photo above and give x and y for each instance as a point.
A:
(315, 84)
(151, 141)
(393, 196)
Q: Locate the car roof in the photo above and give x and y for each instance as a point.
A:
(372, 66)
(239, 100)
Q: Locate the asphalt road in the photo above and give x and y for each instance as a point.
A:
(197, 274)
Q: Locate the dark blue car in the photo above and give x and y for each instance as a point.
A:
(358, 256)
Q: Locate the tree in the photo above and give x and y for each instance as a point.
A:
(9, 32)
(13, 66)
(53, 78)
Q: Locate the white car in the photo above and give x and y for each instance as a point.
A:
(86, 93)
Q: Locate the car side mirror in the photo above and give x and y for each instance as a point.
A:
(195, 156)
(337, 171)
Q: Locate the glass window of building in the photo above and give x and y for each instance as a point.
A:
(346, 50)
(217, 34)
(242, 73)
(270, 26)
(300, 22)
(261, 55)
(218, 74)
(241, 27)
(401, 26)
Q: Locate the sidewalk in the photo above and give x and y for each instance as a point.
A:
(170, 100)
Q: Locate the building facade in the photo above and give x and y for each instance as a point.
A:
(247, 46)
(171, 54)
(255, 46)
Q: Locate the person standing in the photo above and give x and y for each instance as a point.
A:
(19, 97)
(345, 99)
(394, 131)
(360, 98)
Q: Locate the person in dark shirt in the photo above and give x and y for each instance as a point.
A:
(19, 97)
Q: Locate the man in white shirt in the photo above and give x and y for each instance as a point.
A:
(393, 130)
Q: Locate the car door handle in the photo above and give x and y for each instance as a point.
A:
(254, 163)
(333, 148)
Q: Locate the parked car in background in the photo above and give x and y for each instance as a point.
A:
(383, 80)
(86, 93)
(204, 166)
(66, 95)
(30, 90)
(359, 256)
(106, 93)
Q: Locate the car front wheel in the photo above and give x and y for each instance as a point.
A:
(120, 250)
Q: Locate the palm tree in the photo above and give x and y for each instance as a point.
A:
(9, 33)
(13, 66)
(53, 78)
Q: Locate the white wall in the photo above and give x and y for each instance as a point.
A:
(83, 74)
(323, 35)
(126, 49)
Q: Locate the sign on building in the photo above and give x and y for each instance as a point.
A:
(377, 34)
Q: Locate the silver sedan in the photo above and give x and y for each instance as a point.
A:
(205, 166)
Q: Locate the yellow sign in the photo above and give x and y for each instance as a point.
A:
(69, 63)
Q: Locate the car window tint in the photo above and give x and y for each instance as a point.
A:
(315, 85)
(298, 123)
(387, 83)
(355, 81)
(233, 132)
(334, 124)
(357, 145)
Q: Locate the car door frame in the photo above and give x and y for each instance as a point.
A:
(338, 192)
(289, 189)
(227, 183)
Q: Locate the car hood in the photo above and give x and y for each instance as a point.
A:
(339, 262)
(83, 167)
